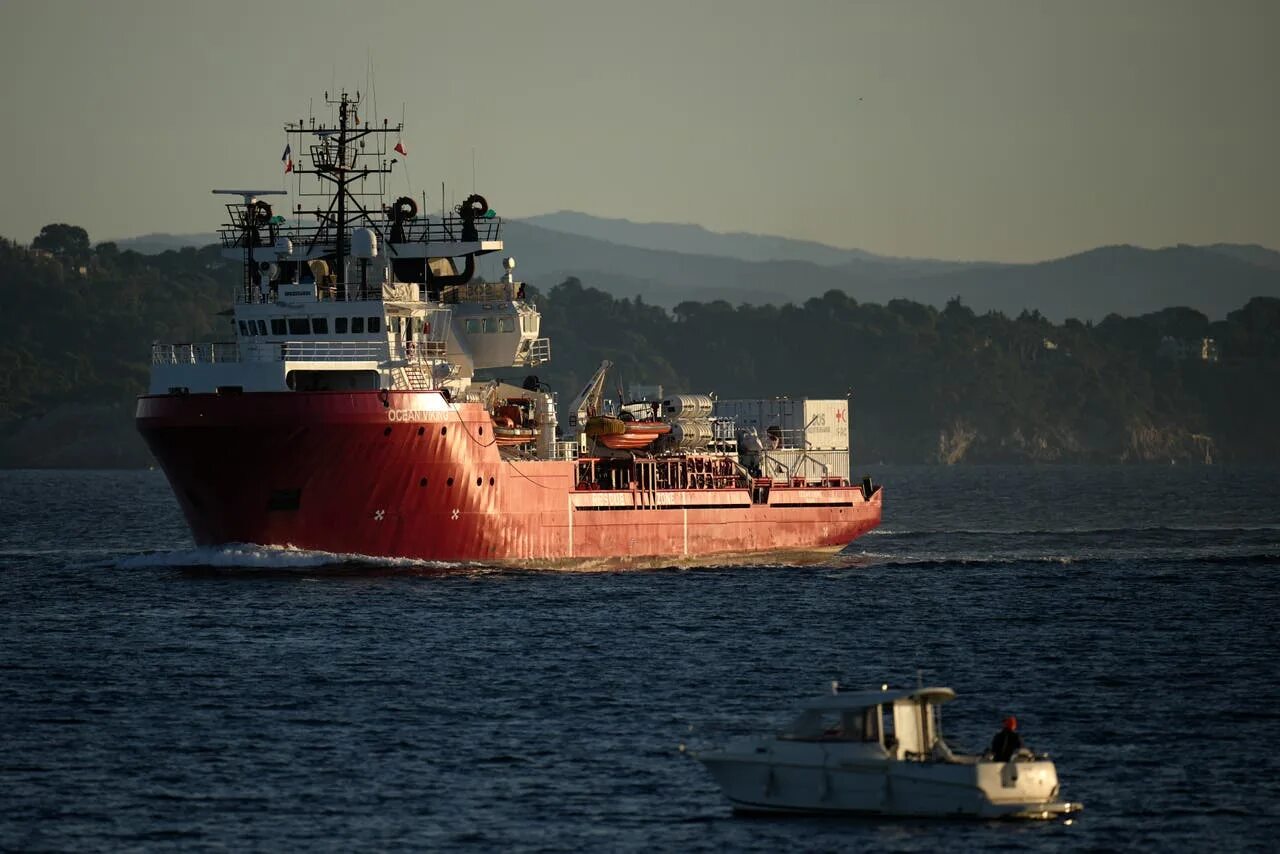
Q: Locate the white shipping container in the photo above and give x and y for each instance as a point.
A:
(796, 423)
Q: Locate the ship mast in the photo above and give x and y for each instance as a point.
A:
(339, 157)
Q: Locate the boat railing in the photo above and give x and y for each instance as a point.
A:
(534, 352)
(327, 293)
(194, 354)
(808, 466)
(451, 229)
(482, 292)
(333, 351)
(419, 352)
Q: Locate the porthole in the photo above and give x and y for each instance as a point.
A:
(386, 432)
(444, 431)
(479, 481)
(491, 481)
(482, 431)
(449, 482)
(422, 482)
(421, 430)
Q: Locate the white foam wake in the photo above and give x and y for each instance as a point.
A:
(249, 556)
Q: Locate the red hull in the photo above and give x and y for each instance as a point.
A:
(406, 474)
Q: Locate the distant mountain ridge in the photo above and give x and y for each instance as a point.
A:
(667, 263)
(691, 239)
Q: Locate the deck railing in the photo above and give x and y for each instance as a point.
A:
(294, 351)
(451, 229)
(193, 354)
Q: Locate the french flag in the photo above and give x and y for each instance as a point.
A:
(287, 158)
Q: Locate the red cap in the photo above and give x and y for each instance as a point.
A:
(1011, 722)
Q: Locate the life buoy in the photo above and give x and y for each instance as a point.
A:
(259, 213)
(404, 208)
(473, 207)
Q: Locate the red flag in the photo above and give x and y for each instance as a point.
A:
(400, 148)
(288, 166)
(287, 157)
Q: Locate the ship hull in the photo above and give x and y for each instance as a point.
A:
(408, 474)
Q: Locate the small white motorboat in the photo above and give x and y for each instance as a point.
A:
(880, 753)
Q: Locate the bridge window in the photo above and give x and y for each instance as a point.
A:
(473, 325)
(393, 325)
(244, 330)
(299, 326)
(262, 327)
(488, 324)
(320, 325)
(506, 324)
(375, 324)
(277, 326)
(357, 325)
(340, 325)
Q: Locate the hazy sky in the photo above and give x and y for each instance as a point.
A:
(1005, 130)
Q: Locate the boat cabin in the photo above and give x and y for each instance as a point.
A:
(904, 723)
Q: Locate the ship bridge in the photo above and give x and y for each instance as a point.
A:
(356, 293)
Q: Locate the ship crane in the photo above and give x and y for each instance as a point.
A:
(588, 402)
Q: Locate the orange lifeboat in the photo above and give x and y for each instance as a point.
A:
(506, 433)
(635, 435)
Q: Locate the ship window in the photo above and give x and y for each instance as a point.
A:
(506, 324)
(473, 325)
(243, 329)
(299, 326)
(340, 325)
(357, 324)
(320, 325)
(262, 327)
(393, 325)
(375, 324)
(277, 326)
(488, 324)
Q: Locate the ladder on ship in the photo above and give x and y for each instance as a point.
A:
(412, 378)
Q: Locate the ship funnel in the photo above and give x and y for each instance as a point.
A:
(364, 243)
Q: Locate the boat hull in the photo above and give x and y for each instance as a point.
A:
(1023, 790)
(408, 474)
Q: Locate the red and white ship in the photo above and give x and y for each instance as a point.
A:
(351, 412)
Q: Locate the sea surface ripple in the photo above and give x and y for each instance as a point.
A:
(157, 695)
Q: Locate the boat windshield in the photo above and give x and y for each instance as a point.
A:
(835, 725)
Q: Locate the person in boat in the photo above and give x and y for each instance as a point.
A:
(1007, 742)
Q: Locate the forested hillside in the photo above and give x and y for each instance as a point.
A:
(951, 385)
(928, 385)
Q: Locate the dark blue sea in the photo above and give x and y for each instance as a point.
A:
(158, 696)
